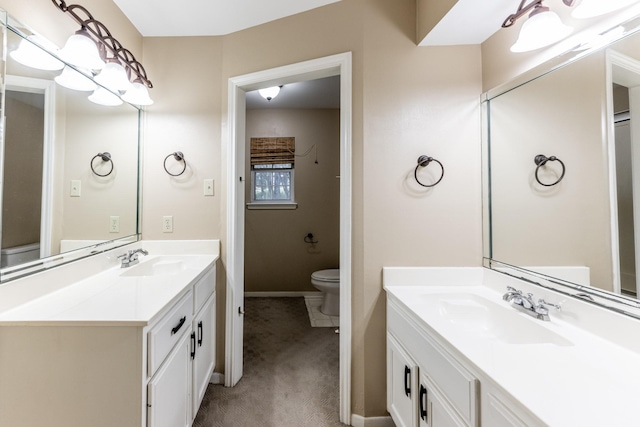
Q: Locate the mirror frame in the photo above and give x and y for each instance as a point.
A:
(8, 23)
(619, 303)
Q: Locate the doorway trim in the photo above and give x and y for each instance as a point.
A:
(333, 65)
(47, 89)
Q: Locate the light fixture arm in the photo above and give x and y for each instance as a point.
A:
(522, 10)
(105, 41)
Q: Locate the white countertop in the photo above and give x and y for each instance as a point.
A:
(112, 296)
(585, 381)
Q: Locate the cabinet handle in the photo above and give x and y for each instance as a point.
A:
(200, 333)
(193, 345)
(179, 325)
(423, 402)
(407, 378)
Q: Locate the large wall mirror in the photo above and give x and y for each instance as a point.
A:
(70, 167)
(562, 174)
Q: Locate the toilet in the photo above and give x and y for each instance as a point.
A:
(328, 282)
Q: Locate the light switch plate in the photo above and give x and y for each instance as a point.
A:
(75, 187)
(208, 187)
(114, 224)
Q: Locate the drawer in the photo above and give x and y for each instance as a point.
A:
(203, 289)
(167, 332)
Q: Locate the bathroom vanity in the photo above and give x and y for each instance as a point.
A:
(119, 346)
(459, 355)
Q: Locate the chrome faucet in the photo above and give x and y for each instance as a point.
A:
(526, 303)
(130, 258)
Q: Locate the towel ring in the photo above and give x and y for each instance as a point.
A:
(106, 157)
(179, 158)
(541, 160)
(309, 238)
(423, 161)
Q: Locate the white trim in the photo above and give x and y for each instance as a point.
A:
(282, 294)
(629, 76)
(47, 88)
(339, 64)
(271, 206)
(360, 421)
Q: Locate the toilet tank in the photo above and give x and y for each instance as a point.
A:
(19, 254)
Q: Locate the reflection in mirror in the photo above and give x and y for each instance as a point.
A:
(580, 232)
(57, 197)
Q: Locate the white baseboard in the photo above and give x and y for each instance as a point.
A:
(359, 421)
(216, 378)
(280, 294)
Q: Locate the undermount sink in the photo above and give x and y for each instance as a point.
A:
(482, 317)
(159, 266)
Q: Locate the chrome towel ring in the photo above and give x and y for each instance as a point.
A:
(541, 160)
(106, 157)
(423, 161)
(179, 157)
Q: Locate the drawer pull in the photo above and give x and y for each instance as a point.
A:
(407, 378)
(193, 345)
(200, 330)
(179, 325)
(423, 402)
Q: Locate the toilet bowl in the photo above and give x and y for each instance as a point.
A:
(328, 282)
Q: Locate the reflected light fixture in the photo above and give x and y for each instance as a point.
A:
(103, 96)
(270, 92)
(75, 80)
(591, 8)
(542, 28)
(33, 52)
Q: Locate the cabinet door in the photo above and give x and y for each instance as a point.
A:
(204, 360)
(402, 385)
(169, 391)
(434, 411)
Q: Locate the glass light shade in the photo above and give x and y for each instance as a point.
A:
(114, 77)
(104, 97)
(270, 92)
(138, 95)
(591, 8)
(75, 80)
(37, 57)
(80, 50)
(539, 30)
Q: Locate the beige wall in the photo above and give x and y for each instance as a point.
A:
(276, 256)
(429, 13)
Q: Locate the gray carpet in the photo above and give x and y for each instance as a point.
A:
(291, 372)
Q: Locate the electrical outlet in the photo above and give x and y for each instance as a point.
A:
(75, 188)
(208, 187)
(114, 224)
(167, 224)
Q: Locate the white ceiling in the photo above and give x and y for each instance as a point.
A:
(155, 18)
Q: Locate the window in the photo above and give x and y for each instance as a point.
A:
(272, 166)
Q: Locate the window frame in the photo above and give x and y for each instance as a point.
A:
(272, 203)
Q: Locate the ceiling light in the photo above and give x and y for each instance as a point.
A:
(591, 8)
(103, 96)
(80, 50)
(270, 92)
(113, 76)
(541, 29)
(75, 80)
(138, 94)
(34, 52)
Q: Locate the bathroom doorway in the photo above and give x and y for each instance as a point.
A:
(238, 86)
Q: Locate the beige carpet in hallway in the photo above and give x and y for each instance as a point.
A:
(291, 372)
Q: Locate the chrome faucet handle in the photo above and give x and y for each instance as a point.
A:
(512, 289)
(541, 301)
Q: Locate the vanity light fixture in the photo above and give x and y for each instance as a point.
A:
(30, 54)
(591, 8)
(542, 28)
(103, 96)
(72, 79)
(118, 64)
(270, 92)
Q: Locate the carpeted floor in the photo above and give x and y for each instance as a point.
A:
(290, 372)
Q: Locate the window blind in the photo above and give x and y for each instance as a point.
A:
(272, 151)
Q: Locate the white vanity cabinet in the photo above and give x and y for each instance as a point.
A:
(101, 367)
(425, 385)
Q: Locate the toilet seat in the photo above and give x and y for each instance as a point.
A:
(330, 275)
